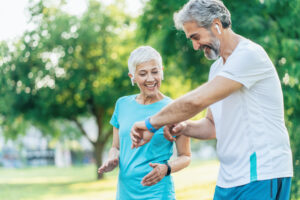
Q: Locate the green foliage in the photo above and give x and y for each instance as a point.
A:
(271, 23)
(66, 68)
(156, 26)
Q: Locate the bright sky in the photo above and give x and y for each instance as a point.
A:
(13, 19)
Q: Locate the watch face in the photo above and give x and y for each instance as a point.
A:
(169, 169)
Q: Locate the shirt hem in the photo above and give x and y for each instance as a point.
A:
(259, 178)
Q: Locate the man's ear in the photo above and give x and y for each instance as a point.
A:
(130, 75)
(217, 27)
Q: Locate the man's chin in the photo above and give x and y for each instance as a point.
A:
(211, 57)
(210, 54)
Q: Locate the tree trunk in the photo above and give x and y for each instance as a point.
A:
(102, 137)
(98, 151)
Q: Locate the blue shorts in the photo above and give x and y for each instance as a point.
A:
(277, 189)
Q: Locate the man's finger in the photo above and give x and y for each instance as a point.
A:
(178, 128)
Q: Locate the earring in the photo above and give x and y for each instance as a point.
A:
(132, 81)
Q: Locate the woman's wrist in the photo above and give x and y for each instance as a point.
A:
(154, 123)
(168, 172)
(114, 152)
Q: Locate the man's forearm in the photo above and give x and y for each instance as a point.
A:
(203, 129)
(195, 101)
(179, 110)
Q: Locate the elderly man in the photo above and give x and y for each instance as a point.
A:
(244, 105)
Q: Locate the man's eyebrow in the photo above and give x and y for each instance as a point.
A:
(192, 36)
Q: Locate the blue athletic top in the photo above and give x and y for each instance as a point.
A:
(134, 163)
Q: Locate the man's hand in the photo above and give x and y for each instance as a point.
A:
(174, 130)
(140, 135)
(159, 171)
(109, 165)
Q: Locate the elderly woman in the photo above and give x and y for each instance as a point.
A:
(144, 172)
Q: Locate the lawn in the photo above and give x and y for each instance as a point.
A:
(79, 183)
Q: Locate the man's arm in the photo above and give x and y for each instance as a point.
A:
(203, 129)
(195, 101)
(185, 107)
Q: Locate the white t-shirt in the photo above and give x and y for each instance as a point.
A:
(252, 140)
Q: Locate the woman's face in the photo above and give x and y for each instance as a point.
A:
(148, 78)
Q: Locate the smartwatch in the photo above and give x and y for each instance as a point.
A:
(169, 169)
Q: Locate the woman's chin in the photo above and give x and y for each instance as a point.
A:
(151, 93)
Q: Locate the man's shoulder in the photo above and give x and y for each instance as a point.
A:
(215, 66)
(250, 49)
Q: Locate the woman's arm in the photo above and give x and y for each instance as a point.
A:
(183, 154)
(113, 155)
(160, 170)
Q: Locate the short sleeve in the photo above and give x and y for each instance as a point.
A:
(114, 119)
(248, 67)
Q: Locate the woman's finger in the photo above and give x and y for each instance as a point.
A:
(168, 135)
(148, 176)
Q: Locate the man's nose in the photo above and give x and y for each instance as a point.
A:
(196, 45)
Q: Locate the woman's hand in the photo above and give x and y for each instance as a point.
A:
(140, 134)
(159, 171)
(109, 165)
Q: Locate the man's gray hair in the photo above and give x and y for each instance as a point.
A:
(141, 55)
(203, 12)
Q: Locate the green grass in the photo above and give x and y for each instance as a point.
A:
(79, 183)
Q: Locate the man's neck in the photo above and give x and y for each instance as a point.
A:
(229, 42)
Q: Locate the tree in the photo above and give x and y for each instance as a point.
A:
(272, 24)
(66, 68)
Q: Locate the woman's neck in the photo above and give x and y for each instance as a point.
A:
(146, 99)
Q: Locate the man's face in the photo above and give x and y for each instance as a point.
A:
(203, 39)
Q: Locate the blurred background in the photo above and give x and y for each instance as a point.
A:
(63, 65)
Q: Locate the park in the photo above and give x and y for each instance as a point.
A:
(62, 75)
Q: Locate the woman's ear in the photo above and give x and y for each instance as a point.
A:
(131, 78)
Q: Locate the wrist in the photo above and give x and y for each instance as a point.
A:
(168, 169)
(150, 126)
(114, 152)
(154, 123)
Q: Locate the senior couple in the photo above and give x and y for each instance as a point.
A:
(245, 114)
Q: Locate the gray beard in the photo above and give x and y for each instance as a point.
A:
(214, 52)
